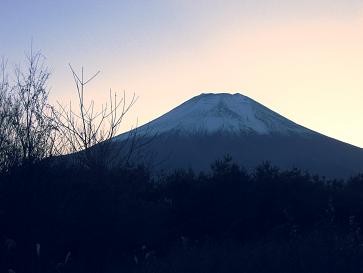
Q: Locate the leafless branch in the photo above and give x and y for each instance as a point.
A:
(87, 131)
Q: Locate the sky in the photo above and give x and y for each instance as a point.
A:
(302, 59)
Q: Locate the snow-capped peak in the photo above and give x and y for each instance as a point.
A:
(222, 113)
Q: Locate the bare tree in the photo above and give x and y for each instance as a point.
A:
(4, 111)
(87, 131)
(32, 130)
(32, 120)
(8, 153)
(26, 121)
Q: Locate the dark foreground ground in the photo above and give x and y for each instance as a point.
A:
(61, 219)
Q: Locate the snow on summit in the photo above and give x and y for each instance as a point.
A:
(221, 113)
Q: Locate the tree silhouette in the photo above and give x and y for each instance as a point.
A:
(87, 131)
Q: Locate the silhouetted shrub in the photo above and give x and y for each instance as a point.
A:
(61, 218)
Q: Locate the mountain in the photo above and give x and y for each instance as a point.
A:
(210, 126)
(222, 113)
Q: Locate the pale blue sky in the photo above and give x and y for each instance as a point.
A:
(303, 59)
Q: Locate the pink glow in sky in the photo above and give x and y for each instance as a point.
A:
(303, 60)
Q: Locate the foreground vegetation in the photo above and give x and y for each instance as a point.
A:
(62, 219)
(99, 214)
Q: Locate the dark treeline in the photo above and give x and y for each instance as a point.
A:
(75, 219)
(99, 214)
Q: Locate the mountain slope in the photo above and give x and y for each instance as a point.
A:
(215, 113)
(209, 126)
